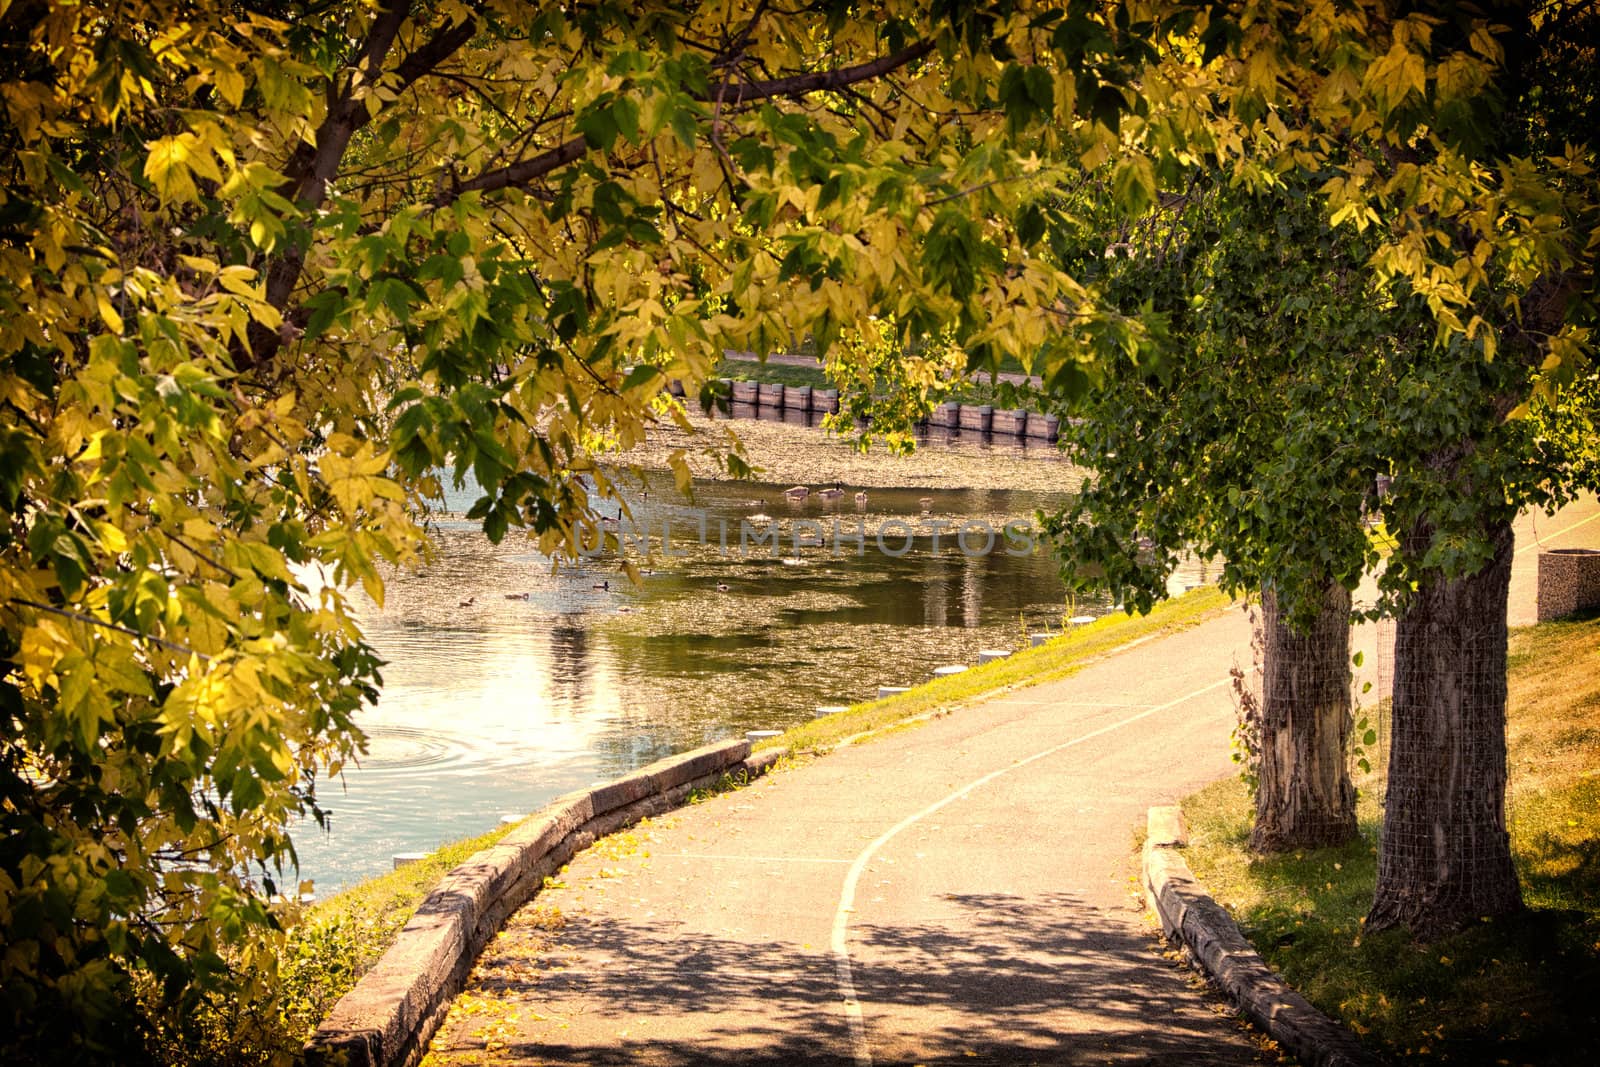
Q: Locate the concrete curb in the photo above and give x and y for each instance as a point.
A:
(387, 1019)
(1190, 918)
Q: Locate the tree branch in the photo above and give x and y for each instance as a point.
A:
(527, 170)
(313, 166)
(818, 81)
(78, 616)
(519, 173)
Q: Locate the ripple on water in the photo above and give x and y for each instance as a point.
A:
(402, 749)
(398, 751)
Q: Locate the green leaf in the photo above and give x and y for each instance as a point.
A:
(1030, 224)
(685, 125)
(1134, 184)
(599, 128)
(641, 375)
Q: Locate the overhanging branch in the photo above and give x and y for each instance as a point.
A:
(528, 170)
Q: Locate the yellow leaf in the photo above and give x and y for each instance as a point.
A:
(43, 643)
(266, 314)
(240, 280)
(229, 82)
(198, 530)
(167, 168)
(111, 537)
(108, 313)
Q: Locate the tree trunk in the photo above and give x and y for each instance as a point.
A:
(1304, 798)
(1445, 856)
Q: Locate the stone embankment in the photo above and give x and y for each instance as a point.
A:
(388, 1018)
(805, 405)
(1211, 939)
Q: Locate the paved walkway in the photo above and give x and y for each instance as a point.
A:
(959, 892)
(1575, 526)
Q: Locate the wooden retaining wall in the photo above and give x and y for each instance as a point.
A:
(801, 404)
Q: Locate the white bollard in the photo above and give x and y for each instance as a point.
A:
(1081, 620)
(946, 672)
(1038, 639)
(511, 820)
(403, 858)
(753, 736)
(891, 690)
(830, 709)
(989, 655)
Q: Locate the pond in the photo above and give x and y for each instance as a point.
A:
(509, 682)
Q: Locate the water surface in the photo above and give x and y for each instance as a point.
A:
(510, 682)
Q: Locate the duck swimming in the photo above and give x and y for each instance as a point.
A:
(798, 492)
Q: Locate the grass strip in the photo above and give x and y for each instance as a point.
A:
(332, 945)
(1062, 656)
(1521, 990)
(744, 370)
(339, 939)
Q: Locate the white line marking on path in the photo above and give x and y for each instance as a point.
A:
(1065, 704)
(847, 895)
(748, 859)
(1539, 539)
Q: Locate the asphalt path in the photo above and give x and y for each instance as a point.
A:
(960, 891)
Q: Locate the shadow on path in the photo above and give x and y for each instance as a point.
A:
(989, 979)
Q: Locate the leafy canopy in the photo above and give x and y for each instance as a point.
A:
(1299, 365)
(270, 270)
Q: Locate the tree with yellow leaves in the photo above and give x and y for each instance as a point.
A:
(270, 270)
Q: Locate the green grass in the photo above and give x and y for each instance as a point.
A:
(339, 939)
(744, 370)
(1060, 657)
(334, 943)
(1519, 990)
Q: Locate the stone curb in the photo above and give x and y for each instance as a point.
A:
(387, 1019)
(1214, 944)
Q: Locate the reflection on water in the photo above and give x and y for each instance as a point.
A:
(508, 683)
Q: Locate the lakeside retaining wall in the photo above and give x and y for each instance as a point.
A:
(802, 404)
(387, 1019)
